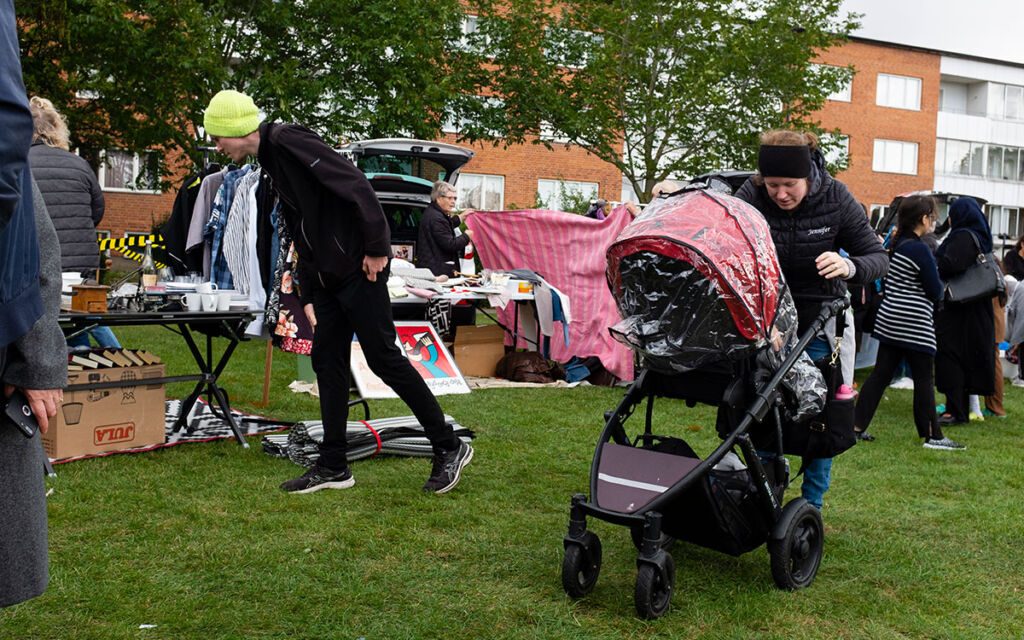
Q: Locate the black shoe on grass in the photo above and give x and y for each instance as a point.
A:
(943, 443)
(317, 478)
(448, 468)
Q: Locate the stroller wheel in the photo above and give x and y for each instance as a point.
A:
(581, 566)
(654, 585)
(796, 551)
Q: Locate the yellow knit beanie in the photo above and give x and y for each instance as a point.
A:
(231, 114)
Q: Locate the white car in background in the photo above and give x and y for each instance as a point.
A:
(402, 172)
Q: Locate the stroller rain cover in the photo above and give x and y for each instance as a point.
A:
(696, 279)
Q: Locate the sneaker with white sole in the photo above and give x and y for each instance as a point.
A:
(902, 383)
(317, 478)
(943, 443)
(448, 469)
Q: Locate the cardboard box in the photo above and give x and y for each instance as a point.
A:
(478, 349)
(108, 418)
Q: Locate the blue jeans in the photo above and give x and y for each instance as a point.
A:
(817, 471)
(103, 336)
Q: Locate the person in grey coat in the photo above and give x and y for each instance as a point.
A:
(32, 356)
(35, 364)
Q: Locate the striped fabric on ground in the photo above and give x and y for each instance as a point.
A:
(906, 314)
(568, 250)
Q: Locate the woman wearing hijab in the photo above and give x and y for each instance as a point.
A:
(965, 332)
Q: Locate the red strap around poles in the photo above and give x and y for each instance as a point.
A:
(375, 435)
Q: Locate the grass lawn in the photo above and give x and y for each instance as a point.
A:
(197, 540)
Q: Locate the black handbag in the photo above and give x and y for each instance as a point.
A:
(827, 434)
(983, 279)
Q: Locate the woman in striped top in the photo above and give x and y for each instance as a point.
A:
(904, 326)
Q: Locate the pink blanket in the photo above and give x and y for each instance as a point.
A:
(568, 250)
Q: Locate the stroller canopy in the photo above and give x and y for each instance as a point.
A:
(696, 277)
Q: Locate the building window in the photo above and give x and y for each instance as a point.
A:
(1005, 221)
(548, 132)
(1003, 163)
(959, 157)
(838, 148)
(628, 194)
(124, 171)
(845, 93)
(485, 105)
(570, 48)
(559, 195)
(472, 38)
(479, 191)
(900, 92)
(893, 156)
(1006, 101)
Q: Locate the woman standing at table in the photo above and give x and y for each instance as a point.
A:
(437, 247)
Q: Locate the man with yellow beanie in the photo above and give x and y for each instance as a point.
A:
(344, 244)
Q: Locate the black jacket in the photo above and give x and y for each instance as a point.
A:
(75, 202)
(437, 248)
(828, 219)
(331, 210)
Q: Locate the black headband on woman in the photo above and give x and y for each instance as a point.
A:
(784, 161)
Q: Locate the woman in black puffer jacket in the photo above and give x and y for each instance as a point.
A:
(72, 194)
(813, 218)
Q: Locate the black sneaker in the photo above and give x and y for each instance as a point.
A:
(448, 468)
(863, 436)
(317, 478)
(943, 443)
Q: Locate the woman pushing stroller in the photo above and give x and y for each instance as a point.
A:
(823, 240)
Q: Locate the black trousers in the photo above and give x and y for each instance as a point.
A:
(362, 308)
(889, 357)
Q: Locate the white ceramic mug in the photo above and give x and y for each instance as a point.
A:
(192, 301)
(223, 300)
(206, 287)
(209, 301)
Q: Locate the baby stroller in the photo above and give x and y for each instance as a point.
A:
(697, 281)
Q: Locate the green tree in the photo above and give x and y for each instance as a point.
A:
(659, 89)
(137, 74)
(125, 75)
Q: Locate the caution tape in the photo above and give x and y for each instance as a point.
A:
(131, 241)
(124, 246)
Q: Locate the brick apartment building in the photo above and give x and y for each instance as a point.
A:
(923, 119)
(887, 115)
